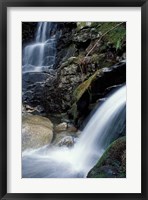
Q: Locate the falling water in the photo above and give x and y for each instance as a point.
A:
(105, 125)
(40, 55)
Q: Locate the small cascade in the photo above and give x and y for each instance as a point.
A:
(105, 125)
(40, 55)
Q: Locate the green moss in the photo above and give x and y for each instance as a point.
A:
(100, 175)
(111, 160)
(74, 111)
(116, 36)
(96, 58)
(81, 25)
(111, 150)
(79, 91)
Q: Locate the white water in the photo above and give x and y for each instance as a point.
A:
(36, 55)
(103, 126)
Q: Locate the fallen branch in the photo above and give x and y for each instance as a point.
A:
(101, 38)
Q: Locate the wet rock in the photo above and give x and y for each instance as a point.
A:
(112, 164)
(81, 25)
(86, 34)
(38, 110)
(61, 127)
(37, 131)
(71, 128)
(23, 109)
(73, 67)
(94, 88)
(32, 86)
(58, 96)
(65, 46)
(75, 91)
(33, 77)
(28, 109)
(67, 141)
(107, 172)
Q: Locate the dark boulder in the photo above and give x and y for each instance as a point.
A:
(113, 162)
(87, 95)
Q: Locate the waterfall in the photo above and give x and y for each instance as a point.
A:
(40, 55)
(105, 125)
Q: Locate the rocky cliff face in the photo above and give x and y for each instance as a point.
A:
(76, 67)
(86, 66)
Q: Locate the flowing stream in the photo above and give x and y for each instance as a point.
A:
(36, 55)
(106, 124)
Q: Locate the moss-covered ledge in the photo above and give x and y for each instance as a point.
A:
(87, 94)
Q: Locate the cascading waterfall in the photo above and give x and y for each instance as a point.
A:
(105, 125)
(36, 55)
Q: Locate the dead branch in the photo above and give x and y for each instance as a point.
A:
(101, 38)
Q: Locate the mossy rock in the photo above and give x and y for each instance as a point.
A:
(81, 25)
(115, 36)
(112, 164)
(93, 88)
(83, 87)
(74, 111)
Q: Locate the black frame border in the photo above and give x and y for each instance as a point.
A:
(4, 4)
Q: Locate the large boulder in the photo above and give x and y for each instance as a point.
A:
(113, 162)
(37, 131)
(87, 95)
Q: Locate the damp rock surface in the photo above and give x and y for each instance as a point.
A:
(112, 164)
(37, 131)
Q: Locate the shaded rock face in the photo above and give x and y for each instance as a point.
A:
(73, 68)
(32, 87)
(65, 46)
(58, 96)
(34, 82)
(28, 32)
(37, 131)
(61, 96)
(69, 77)
(88, 94)
(113, 162)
